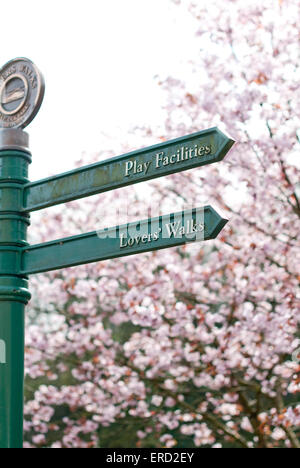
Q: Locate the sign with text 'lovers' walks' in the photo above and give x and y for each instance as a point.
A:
(166, 231)
(188, 152)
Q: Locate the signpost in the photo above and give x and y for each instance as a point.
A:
(21, 94)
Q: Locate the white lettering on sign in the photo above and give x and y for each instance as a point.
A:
(190, 229)
(135, 168)
(161, 159)
(137, 240)
(176, 229)
(2, 352)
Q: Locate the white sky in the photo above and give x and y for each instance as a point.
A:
(99, 59)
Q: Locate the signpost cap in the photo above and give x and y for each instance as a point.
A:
(22, 89)
(14, 139)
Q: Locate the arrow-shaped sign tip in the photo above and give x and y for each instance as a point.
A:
(226, 145)
(217, 223)
(218, 227)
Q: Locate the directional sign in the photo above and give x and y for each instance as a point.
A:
(134, 238)
(198, 149)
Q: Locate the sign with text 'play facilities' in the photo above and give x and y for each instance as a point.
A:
(144, 236)
(188, 152)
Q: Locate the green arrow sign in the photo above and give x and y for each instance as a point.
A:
(198, 149)
(134, 238)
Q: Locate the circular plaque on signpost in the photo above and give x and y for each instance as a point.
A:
(22, 89)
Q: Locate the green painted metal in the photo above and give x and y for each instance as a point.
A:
(134, 238)
(201, 148)
(14, 295)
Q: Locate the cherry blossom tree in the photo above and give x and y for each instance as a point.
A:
(197, 345)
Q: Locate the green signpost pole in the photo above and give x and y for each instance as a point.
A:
(14, 161)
